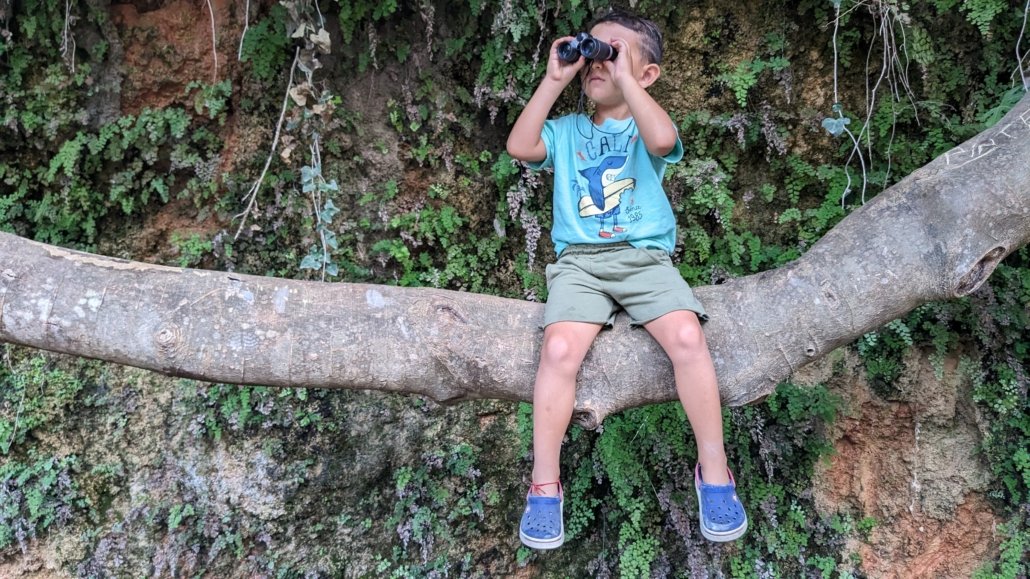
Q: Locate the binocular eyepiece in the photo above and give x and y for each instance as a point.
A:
(587, 46)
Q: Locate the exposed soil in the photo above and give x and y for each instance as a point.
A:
(168, 46)
(913, 465)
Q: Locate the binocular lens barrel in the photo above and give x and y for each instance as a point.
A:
(595, 49)
(588, 46)
(568, 51)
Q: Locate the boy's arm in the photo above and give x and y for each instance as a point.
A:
(524, 141)
(655, 125)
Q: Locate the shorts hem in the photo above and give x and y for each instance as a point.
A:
(609, 323)
(702, 317)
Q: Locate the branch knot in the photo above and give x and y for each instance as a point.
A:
(980, 271)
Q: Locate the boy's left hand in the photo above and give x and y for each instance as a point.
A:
(621, 69)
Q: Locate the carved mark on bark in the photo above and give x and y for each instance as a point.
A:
(829, 294)
(838, 306)
(450, 311)
(289, 357)
(188, 304)
(786, 358)
(238, 289)
(49, 312)
(980, 272)
(103, 296)
(960, 156)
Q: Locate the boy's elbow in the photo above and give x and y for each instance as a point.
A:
(662, 149)
(663, 145)
(522, 152)
(513, 149)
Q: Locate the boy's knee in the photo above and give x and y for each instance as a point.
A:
(688, 341)
(559, 350)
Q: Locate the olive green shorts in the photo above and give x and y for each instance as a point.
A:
(591, 283)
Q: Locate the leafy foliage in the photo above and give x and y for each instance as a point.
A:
(39, 491)
(79, 170)
(266, 45)
(229, 408)
(33, 393)
(745, 76)
(38, 495)
(438, 504)
(982, 13)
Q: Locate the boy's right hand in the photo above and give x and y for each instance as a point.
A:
(557, 69)
(525, 142)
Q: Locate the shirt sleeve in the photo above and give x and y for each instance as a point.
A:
(547, 136)
(677, 151)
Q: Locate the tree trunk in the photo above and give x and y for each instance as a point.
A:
(938, 234)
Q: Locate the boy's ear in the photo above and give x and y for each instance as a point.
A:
(650, 74)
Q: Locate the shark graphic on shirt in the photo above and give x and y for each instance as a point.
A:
(604, 192)
(597, 176)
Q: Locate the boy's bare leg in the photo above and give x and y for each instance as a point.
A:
(679, 333)
(554, 394)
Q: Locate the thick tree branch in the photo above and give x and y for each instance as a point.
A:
(936, 235)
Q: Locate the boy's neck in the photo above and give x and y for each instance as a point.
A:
(618, 113)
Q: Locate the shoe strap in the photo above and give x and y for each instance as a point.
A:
(535, 488)
(698, 475)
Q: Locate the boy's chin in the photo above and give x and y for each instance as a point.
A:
(605, 102)
(602, 98)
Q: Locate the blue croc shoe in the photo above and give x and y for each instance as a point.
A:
(722, 515)
(542, 525)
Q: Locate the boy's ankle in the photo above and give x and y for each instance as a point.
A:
(715, 472)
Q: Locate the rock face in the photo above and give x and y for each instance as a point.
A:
(177, 499)
(911, 462)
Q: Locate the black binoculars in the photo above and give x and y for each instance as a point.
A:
(587, 46)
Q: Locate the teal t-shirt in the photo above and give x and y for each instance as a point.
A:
(607, 186)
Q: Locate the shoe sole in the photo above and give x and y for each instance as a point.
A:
(544, 545)
(723, 538)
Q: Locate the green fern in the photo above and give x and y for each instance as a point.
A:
(981, 13)
(266, 45)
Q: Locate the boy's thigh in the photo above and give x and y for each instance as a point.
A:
(574, 295)
(652, 287)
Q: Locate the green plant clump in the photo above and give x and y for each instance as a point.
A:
(630, 494)
(38, 495)
(81, 167)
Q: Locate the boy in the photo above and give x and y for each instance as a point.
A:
(614, 231)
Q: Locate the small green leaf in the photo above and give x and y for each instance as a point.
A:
(835, 126)
(311, 261)
(328, 211)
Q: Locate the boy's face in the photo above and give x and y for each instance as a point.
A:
(597, 75)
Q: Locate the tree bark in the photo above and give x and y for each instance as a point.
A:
(938, 234)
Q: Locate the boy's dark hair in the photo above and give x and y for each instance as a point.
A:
(650, 35)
